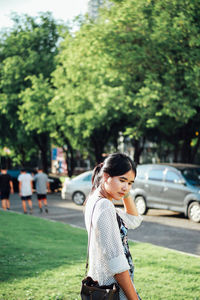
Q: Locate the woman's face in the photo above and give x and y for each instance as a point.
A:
(118, 186)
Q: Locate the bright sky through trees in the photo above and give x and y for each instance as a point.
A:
(61, 9)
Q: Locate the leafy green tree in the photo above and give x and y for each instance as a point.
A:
(134, 70)
(154, 53)
(27, 52)
(36, 116)
(90, 110)
(155, 50)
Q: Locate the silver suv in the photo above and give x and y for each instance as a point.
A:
(174, 187)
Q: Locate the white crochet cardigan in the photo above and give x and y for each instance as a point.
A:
(106, 252)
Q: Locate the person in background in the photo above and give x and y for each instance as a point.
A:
(109, 255)
(26, 190)
(6, 186)
(42, 187)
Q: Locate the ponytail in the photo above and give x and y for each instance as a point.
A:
(96, 176)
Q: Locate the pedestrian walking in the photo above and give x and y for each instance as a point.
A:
(26, 190)
(42, 187)
(109, 255)
(6, 186)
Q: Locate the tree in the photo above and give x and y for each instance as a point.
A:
(89, 110)
(135, 69)
(155, 50)
(27, 50)
(36, 116)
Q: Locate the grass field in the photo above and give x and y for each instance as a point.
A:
(40, 260)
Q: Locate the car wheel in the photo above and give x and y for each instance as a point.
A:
(141, 205)
(194, 212)
(78, 198)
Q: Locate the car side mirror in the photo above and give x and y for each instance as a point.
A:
(181, 181)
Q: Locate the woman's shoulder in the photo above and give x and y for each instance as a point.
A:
(99, 208)
(104, 203)
(99, 202)
(104, 212)
(96, 199)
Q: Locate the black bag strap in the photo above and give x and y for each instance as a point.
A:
(89, 237)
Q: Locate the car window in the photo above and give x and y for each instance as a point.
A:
(156, 174)
(192, 175)
(172, 177)
(140, 173)
(88, 178)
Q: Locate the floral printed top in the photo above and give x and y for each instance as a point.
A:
(123, 233)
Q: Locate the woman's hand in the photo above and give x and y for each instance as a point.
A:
(129, 205)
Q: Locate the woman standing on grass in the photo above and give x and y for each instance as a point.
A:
(109, 255)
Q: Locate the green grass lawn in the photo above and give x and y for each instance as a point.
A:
(42, 260)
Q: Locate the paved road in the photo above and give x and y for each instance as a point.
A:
(160, 227)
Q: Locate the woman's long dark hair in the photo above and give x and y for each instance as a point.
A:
(115, 164)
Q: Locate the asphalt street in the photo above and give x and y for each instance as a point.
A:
(159, 227)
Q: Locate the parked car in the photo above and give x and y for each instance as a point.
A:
(14, 175)
(174, 187)
(78, 188)
(55, 183)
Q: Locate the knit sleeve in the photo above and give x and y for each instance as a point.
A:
(109, 239)
(131, 221)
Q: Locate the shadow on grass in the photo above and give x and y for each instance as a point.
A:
(30, 246)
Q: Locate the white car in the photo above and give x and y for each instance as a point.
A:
(77, 188)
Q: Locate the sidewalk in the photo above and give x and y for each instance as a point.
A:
(59, 210)
(164, 230)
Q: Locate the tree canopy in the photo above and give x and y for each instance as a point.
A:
(27, 53)
(133, 71)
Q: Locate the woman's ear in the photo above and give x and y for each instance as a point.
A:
(105, 177)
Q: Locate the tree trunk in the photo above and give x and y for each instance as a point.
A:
(176, 152)
(69, 152)
(23, 155)
(42, 141)
(98, 147)
(44, 160)
(69, 158)
(186, 151)
(137, 149)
